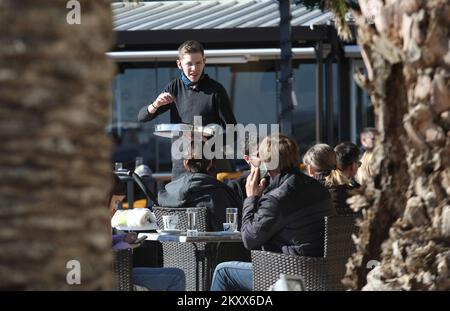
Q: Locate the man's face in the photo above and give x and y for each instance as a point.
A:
(368, 141)
(192, 65)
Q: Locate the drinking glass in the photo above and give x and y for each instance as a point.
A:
(192, 221)
(231, 218)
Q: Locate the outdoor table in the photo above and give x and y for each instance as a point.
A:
(216, 238)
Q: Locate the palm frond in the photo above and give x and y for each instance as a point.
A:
(339, 8)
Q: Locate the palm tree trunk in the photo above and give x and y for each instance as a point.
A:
(406, 207)
(54, 176)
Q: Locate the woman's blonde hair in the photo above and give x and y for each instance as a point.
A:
(323, 158)
(365, 170)
(282, 146)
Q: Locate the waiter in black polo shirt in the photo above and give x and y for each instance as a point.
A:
(194, 93)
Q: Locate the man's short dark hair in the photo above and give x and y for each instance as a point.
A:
(196, 163)
(346, 154)
(190, 47)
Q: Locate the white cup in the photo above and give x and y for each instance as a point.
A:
(170, 222)
(229, 227)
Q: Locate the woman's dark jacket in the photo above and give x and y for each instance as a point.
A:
(339, 195)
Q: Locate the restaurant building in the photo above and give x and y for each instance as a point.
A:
(241, 40)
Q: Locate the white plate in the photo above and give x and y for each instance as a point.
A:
(171, 231)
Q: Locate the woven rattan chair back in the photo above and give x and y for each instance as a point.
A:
(123, 268)
(267, 267)
(317, 273)
(339, 246)
(182, 255)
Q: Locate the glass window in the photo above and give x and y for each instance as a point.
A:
(133, 89)
(252, 88)
(303, 122)
(361, 109)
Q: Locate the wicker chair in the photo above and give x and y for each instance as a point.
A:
(267, 267)
(182, 255)
(318, 273)
(339, 247)
(123, 269)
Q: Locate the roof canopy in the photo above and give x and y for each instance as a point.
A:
(214, 22)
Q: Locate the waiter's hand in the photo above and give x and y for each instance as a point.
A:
(253, 186)
(163, 99)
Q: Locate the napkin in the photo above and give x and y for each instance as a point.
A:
(137, 217)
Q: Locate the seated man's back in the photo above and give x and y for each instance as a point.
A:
(200, 189)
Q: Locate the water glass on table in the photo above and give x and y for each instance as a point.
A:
(231, 219)
(170, 222)
(192, 221)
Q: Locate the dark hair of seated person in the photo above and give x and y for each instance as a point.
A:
(197, 165)
(196, 162)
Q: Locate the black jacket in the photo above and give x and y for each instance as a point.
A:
(339, 195)
(197, 189)
(288, 217)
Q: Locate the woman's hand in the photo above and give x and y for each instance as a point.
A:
(253, 186)
(130, 237)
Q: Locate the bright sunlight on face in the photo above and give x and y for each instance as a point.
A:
(192, 65)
